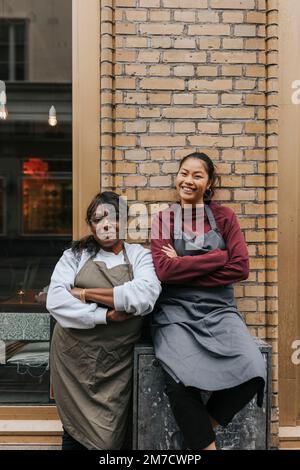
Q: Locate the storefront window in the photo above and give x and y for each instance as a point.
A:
(35, 184)
(2, 205)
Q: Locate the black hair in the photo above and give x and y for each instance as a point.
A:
(89, 243)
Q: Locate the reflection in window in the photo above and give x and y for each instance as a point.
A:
(2, 206)
(13, 50)
(47, 200)
(35, 181)
(24, 375)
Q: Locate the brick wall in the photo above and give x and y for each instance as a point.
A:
(271, 207)
(181, 75)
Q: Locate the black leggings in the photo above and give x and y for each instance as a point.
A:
(193, 417)
(69, 443)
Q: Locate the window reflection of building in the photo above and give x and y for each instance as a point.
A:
(35, 177)
(2, 207)
(47, 198)
(46, 34)
(26, 372)
(13, 50)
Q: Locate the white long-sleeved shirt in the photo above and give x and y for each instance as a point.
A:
(137, 296)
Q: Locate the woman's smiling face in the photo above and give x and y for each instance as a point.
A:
(192, 181)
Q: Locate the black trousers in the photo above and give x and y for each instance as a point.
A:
(69, 443)
(193, 416)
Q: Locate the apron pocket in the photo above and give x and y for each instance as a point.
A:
(78, 362)
(110, 367)
(105, 360)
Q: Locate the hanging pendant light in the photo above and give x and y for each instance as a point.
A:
(52, 120)
(52, 117)
(3, 100)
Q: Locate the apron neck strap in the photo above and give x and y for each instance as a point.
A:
(178, 220)
(125, 254)
(126, 259)
(210, 217)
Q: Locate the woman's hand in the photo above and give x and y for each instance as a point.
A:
(116, 316)
(169, 251)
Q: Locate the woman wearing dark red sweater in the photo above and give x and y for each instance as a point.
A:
(199, 336)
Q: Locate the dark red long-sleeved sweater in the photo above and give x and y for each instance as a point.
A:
(216, 268)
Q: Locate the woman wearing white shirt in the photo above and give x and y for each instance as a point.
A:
(99, 291)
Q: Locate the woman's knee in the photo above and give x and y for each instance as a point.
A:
(223, 405)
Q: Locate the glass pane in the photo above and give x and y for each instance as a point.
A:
(20, 72)
(4, 53)
(47, 206)
(36, 207)
(4, 71)
(24, 373)
(13, 46)
(20, 53)
(4, 31)
(20, 33)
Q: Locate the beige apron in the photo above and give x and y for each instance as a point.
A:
(91, 370)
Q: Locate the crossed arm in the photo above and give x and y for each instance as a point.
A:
(218, 267)
(102, 296)
(137, 296)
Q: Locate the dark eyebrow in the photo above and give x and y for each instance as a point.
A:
(197, 171)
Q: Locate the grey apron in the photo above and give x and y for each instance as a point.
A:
(91, 370)
(199, 336)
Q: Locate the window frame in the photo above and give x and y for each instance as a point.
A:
(86, 109)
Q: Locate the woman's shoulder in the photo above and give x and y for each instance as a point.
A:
(221, 210)
(135, 249)
(224, 216)
(72, 256)
(138, 255)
